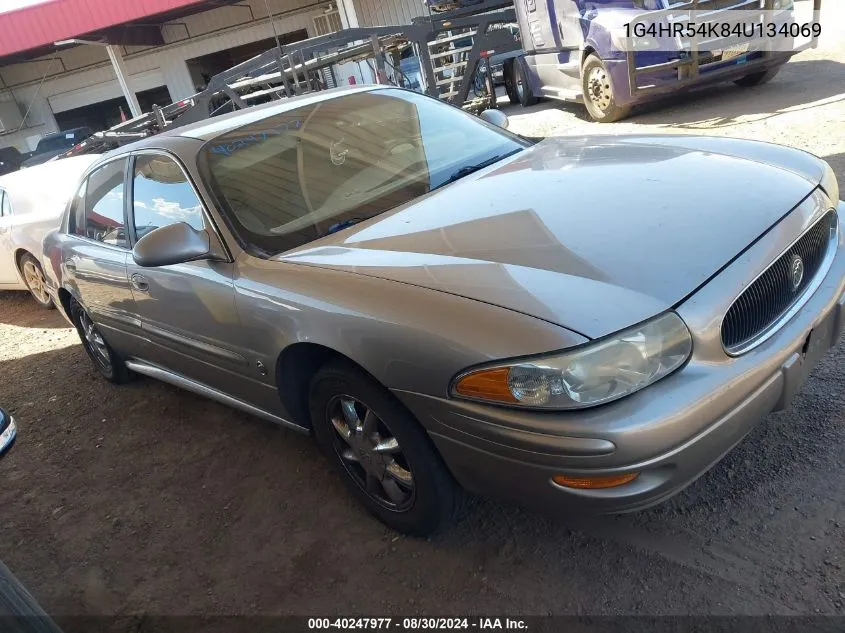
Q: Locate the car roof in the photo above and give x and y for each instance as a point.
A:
(208, 129)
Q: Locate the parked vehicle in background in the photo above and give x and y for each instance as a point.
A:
(440, 6)
(10, 160)
(8, 433)
(574, 51)
(52, 145)
(441, 301)
(31, 204)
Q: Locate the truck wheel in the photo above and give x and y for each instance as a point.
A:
(757, 79)
(599, 95)
(510, 82)
(524, 95)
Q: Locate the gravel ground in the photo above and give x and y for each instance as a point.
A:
(145, 499)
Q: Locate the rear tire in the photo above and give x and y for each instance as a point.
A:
(523, 88)
(382, 452)
(757, 79)
(33, 276)
(599, 93)
(105, 359)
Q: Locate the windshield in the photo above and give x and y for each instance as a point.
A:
(54, 143)
(294, 177)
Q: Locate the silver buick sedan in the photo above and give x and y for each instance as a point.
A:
(583, 323)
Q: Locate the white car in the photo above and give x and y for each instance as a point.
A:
(31, 204)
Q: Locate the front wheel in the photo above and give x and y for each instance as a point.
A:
(382, 452)
(33, 276)
(599, 94)
(523, 86)
(757, 79)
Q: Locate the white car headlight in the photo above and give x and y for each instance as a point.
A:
(830, 185)
(783, 4)
(590, 375)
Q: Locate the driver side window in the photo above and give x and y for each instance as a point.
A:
(162, 195)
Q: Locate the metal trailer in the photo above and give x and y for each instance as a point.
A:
(453, 49)
(573, 52)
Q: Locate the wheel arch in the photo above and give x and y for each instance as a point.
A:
(20, 251)
(296, 366)
(65, 298)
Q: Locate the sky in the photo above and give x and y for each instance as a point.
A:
(9, 5)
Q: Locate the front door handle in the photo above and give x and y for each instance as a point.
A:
(140, 283)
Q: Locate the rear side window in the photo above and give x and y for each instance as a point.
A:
(5, 205)
(104, 205)
(162, 195)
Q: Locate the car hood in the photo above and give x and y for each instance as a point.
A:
(593, 234)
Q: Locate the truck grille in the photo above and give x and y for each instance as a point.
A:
(759, 309)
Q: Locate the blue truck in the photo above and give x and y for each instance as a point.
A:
(577, 50)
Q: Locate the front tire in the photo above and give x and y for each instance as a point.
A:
(382, 452)
(33, 276)
(523, 87)
(105, 359)
(757, 79)
(599, 94)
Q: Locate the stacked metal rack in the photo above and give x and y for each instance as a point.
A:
(453, 48)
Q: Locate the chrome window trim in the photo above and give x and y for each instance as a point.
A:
(767, 333)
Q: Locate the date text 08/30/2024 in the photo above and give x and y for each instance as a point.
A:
(417, 624)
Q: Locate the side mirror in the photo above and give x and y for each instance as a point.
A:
(172, 244)
(496, 117)
(8, 431)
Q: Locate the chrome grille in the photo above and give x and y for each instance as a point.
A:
(774, 293)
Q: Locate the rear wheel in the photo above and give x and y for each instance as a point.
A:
(33, 276)
(383, 453)
(107, 362)
(757, 79)
(599, 94)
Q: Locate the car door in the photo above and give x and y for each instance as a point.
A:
(94, 257)
(8, 274)
(187, 310)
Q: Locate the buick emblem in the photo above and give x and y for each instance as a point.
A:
(796, 270)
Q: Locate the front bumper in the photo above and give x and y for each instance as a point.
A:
(671, 433)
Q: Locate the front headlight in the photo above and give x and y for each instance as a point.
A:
(780, 5)
(830, 185)
(586, 376)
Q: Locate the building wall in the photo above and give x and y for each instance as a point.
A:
(83, 75)
(387, 12)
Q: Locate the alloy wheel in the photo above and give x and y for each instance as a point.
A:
(35, 281)
(94, 342)
(370, 453)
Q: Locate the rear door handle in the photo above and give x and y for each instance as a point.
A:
(140, 283)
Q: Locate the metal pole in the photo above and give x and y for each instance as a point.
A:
(120, 71)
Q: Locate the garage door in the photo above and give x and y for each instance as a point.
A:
(104, 91)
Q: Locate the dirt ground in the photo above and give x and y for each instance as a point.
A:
(146, 499)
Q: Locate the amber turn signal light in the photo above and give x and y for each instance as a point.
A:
(607, 481)
(487, 384)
